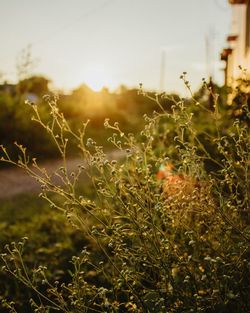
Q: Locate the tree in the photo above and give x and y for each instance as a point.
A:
(34, 84)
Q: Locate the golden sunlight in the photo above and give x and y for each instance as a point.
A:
(95, 85)
(98, 77)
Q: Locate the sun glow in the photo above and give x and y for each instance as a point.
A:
(95, 84)
(98, 77)
(94, 76)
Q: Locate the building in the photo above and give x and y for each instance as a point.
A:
(237, 52)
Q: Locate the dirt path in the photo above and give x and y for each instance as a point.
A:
(14, 181)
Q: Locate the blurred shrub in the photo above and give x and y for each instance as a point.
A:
(124, 106)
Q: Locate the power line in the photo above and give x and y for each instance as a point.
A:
(71, 24)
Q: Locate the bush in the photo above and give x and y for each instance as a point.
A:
(149, 249)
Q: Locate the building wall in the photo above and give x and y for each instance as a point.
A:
(240, 55)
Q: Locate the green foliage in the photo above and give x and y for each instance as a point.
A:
(51, 243)
(150, 247)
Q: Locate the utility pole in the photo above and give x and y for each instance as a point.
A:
(209, 42)
(162, 71)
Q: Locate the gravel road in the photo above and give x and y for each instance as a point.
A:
(14, 181)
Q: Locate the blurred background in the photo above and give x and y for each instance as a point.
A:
(94, 54)
(106, 43)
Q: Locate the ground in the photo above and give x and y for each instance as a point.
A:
(14, 181)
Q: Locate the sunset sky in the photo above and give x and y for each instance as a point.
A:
(113, 42)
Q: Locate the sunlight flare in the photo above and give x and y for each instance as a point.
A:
(98, 77)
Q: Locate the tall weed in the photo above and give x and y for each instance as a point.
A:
(150, 248)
